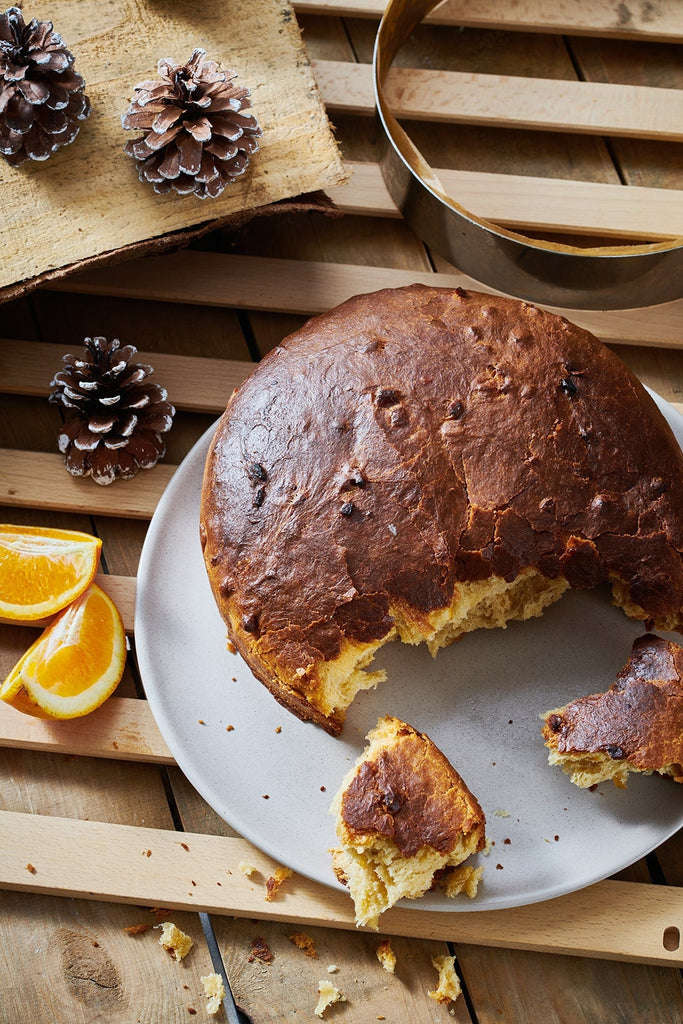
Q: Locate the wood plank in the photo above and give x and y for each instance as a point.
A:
(73, 962)
(122, 729)
(121, 589)
(181, 378)
(308, 287)
(619, 920)
(39, 480)
(289, 984)
(550, 205)
(655, 22)
(571, 991)
(455, 97)
(194, 383)
(109, 209)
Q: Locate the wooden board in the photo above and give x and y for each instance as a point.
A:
(197, 872)
(660, 21)
(109, 210)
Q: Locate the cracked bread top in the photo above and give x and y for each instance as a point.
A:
(415, 439)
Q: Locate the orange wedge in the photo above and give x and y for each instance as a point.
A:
(74, 665)
(43, 570)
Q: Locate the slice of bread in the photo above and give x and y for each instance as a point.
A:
(636, 726)
(404, 817)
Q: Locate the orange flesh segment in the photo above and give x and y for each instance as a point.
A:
(76, 663)
(43, 570)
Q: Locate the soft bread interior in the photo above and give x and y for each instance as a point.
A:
(378, 875)
(588, 769)
(484, 604)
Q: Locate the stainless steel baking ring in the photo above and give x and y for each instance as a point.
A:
(610, 277)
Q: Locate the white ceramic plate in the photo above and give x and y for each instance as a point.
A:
(272, 777)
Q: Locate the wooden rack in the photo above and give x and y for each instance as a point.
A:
(87, 841)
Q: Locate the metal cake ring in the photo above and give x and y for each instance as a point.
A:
(610, 277)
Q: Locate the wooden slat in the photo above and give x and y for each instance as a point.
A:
(531, 203)
(660, 21)
(194, 383)
(39, 480)
(179, 377)
(123, 729)
(128, 864)
(458, 97)
(307, 287)
(120, 588)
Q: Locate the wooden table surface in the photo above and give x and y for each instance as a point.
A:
(202, 316)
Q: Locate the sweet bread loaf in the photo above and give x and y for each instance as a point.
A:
(403, 816)
(636, 726)
(420, 462)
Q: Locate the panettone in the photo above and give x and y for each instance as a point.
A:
(636, 726)
(420, 462)
(403, 817)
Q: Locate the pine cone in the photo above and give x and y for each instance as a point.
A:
(114, 416)
(196, 140)
(41, 96)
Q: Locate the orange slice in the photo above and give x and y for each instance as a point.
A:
(74, 665)
(43, 570)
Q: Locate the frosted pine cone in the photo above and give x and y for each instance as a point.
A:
(41, 96)
(197, 140)
(114, 416)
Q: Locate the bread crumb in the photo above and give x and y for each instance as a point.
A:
(502, 814)
(230, 728)
(463, 879)
(31, 868)
(274, 883)
(214, 990)
(246, 868)
(332, 969)
(448, 988)
(386, 956)
(176, 943)
(137, 929)
(260, 950)
(327, 995)
(303, 941)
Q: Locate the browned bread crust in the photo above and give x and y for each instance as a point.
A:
(405, 819)
(411, 444)
(406, 790)
(637, 723)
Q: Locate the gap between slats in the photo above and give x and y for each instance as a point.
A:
(156, 867)
(646, 22)
(455, 97)
(308, 287)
